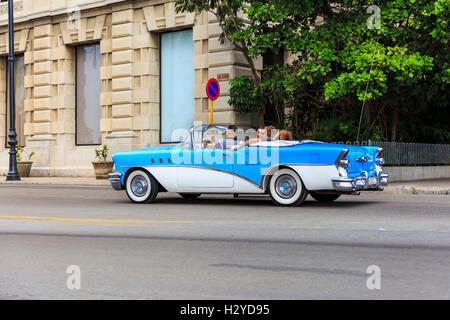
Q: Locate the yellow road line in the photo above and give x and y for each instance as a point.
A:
(91, 220)
(87, 224)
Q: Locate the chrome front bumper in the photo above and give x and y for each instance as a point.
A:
(114, 178)
(374, 183)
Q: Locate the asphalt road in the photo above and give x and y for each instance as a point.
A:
(217, 247)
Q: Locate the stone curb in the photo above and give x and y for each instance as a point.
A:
(416, 190)
(69, 182)
(395, 188)
(56, 185)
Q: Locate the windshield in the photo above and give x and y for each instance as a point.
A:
(204, 136)
(187, 143)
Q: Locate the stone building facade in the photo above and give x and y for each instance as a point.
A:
(53, 41)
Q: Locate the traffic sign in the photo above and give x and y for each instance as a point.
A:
(213, 92)
(212, 89)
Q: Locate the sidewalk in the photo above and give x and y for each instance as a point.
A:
(434, 186)
(57, 181)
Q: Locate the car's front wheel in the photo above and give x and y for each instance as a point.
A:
(323, 197)
(286, 188)
(141, 187)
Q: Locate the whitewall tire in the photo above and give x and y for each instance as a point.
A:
(286, 188)
(141, 187)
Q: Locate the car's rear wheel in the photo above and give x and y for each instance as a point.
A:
(141, 187)
(286, 188)
(190, 195)
(323, 197)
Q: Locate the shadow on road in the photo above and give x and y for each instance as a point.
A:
(248, 201)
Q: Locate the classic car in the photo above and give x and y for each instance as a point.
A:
(286, 170)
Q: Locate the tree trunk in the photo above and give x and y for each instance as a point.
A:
(261, 118)
(394, 122)
(377, 116)
(367, 109)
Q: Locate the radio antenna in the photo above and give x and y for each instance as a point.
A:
(365, 93)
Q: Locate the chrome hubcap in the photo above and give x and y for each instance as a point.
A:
(286, 186)
(139, 186)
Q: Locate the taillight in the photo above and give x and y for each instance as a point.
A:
(345, 151)
(341, 161)
(378, 159)
(379, 152)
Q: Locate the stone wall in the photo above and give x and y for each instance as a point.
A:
(398, 174)
(128, 33)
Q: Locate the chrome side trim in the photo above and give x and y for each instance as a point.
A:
(115, 178)
(362, 159)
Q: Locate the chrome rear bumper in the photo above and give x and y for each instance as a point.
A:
(115, 178)
(374, 183)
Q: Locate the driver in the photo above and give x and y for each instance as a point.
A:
(230, 139)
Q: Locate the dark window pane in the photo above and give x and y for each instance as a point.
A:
(88, 89)
(19, 94)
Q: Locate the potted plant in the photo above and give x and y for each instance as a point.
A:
(102, 167)
(24, 167)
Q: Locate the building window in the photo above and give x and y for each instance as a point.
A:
(177, 83)
(19, 97)
(88, 89)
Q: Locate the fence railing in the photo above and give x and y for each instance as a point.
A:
(411, 154)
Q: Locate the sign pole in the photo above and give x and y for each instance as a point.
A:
(211, 110)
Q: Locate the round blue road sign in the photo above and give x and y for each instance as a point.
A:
(212, 89)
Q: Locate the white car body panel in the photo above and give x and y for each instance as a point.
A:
(217, 181)
(317, 177)
(189, 177)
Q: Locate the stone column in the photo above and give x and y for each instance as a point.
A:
(66, 160)
(42, 104)
(200, 34)
(122, 136)
(146, 82)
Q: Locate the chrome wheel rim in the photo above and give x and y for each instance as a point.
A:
(286, 186)
(139, 186)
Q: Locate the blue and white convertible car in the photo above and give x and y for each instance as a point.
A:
(286, 170)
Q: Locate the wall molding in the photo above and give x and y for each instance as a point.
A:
(17, 6)
(73, 36)
(163, 18)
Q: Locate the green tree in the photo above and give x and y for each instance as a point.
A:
(336, 47)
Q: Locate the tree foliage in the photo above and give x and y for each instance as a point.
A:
(335, 48)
